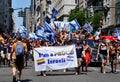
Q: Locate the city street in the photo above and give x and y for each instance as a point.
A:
(59, 34)
(93, 75)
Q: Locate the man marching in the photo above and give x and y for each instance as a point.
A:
(18, 50)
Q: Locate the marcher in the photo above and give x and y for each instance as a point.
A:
(118, 53)
(18, 50)
(9, 51)
(5, 52)
(113, 56)
(79, 49)
(86, 55)
(103, 52)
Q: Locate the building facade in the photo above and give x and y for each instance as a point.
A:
(6, 23)
(117, 15)
(38, 11)
(82, 4)
(110, 18)
(99, 5)
(63, 7)
(33, 9)
(27, 19)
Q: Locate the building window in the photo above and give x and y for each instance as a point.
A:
(5, 21)
(76, 1)
(5, 16)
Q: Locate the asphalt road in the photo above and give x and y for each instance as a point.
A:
(93, 75)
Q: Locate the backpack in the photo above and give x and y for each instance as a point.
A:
(19, 49)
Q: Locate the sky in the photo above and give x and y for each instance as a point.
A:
(19, 4)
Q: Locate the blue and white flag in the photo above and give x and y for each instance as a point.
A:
(32, 35)
(48, 27)
(50, 37)
(88, 27)
(22, 29)
(51, 14)
(117, 33)
(72, 27)
(40, 31)
(54, 13)
(75, 24)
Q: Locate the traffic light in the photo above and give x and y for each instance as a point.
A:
(11, 10)
(21, 14)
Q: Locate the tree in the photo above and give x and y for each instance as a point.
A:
(84, 16)
(96, 20)
(78, 14)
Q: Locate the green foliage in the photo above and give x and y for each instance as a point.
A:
(85, 15)
(78, 14)
(96, 20)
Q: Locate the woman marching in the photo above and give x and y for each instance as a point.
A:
(86, 55)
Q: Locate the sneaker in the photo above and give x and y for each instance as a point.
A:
(18, 81)
(64, 70)
(76, 73)
(44, 75)
(104, 72)
(14, 79)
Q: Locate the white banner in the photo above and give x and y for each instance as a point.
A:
(62, 24)
(55, 58)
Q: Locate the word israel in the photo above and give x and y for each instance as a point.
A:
(56, 57)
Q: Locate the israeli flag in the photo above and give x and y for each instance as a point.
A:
(75, 24)
(54, 13)
(40, 31)
(48, 27)
(50, 37)
(117, 33)
(88, 27)
(22, 29)
(32, 35)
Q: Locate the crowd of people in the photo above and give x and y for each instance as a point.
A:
(108, 52)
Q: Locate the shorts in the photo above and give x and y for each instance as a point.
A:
(102, 56)
(79, 61)
(113, 57)
(18, 62)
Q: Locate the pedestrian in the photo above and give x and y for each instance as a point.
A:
(5, 52)
(86, 55)
(118, 53)
(79, 49)
(103, 52)
(9, 51)
(18, 50)
(113, 56)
